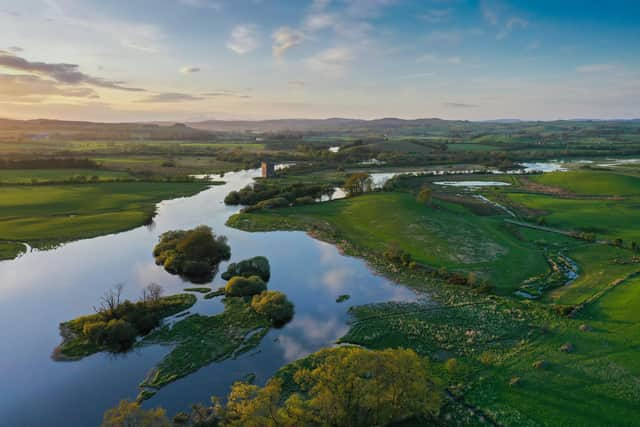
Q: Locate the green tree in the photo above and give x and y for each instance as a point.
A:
(273, 304)
(358, 183)
(130, 414)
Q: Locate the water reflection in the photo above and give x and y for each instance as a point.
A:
(43, 288)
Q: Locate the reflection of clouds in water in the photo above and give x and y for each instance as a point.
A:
(338, 280)
(308, 334)
(292, 349)
(328, 253)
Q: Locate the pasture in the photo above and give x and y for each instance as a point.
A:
(45, 215)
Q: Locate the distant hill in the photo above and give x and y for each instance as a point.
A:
(43, 128)
(315, 125)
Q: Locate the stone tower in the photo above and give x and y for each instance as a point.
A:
(268, 169)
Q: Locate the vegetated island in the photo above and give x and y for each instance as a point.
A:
(250, 311)
(192, 254)
(117, 323)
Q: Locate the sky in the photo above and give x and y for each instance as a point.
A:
(190, 60)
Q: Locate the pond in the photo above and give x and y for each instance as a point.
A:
(43, 288)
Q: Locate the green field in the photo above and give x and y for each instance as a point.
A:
(36, 176)
(446, 235)
(472, 147)
(45, 215)
(592, 183)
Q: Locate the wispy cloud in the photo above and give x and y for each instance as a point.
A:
(299, 84)
(225, 93)
(512, 23)
(170, 97)
(244, 39)
(63, 73)
(332, 62)
(22, 86)
(285, 38)
(459, 105)
(595, 68)
(415, 76)
(189, 70)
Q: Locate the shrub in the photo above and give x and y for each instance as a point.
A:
(540, 364)
(274, 305)
(95, 331)
(192, 253)
(451, 365)
(276, 202)
(256, 266)
(240, 286)
(120, 334)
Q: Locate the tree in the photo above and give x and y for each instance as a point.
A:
(151, 294)
(344, 386)
(358, 183)
(240, 286)
(273, 304)
(424, 196)
(110, 301)
(130, 414)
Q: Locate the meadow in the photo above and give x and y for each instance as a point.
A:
(443, 235)
(46, 215)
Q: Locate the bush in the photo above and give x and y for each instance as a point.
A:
(256, 266)
(193, 253)
(240, 286)
(274, 305)
(276, 202)
(95, 331)
(120, 334)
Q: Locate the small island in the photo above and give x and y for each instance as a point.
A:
(250, 311)
(118, 323)
(256, 266)
(192, 254)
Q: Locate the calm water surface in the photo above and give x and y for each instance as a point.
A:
(42, 289)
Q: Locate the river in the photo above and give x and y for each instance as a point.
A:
(43, 288)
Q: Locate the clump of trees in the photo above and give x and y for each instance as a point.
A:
(259, 192)
(274, 305)
(117, 322)
(256, 266)
(194, 254)
(240, 286)
(358, 183)
(343, 386)
(129, 414)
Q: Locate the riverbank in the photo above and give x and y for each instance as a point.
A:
(505, 357)
(45, 216)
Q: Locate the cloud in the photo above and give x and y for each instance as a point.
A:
(15, 49)
(489, 13)
(188, 70)
(435, 16)
(244, 39)
(170, 97)
(595, 68)
(331, 61)
(14, 86)
(285, 38)
(512, 23)
(459, 105)
(202, 4)
(60, 72)
(225, 93)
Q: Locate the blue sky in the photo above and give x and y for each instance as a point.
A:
(116, 60)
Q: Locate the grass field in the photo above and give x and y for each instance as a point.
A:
(593, 183)
(44, 215)
(445, 236)
(30, 176)
(472, 147)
